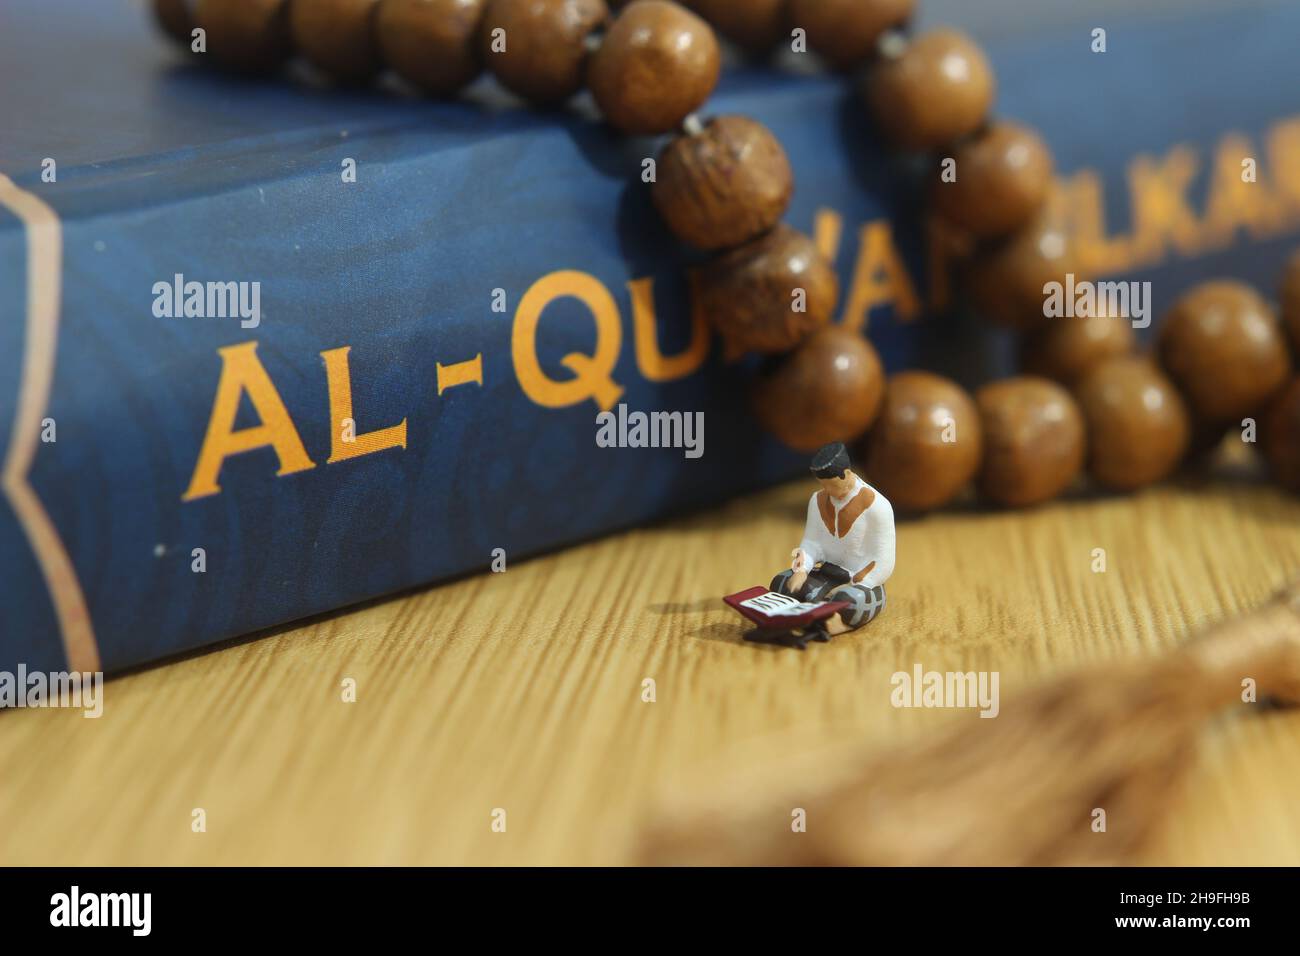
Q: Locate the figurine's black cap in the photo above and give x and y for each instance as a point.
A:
(831, 461)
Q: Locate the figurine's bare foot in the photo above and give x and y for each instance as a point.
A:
(835, 626)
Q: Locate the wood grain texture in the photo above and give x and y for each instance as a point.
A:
(522, 691)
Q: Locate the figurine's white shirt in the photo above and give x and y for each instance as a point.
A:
(856, 532)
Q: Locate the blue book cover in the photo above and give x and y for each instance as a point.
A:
(240, 386)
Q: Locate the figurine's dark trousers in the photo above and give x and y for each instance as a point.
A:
(830, 582)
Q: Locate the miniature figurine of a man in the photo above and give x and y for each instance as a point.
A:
(847, 552)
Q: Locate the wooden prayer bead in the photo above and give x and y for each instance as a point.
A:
(657, 64)
(1005, 281)
(1065, 349)
(1138, 426)
(769, 294)
(927, 443)
(336, 36)
(1033, 440)
(1002, 178)
(725, 185)
(538, 48)
(432, 44)
(1225, 350)
(934, 92)
(828, 389)
(754, 25)
(1290, 299)
(1281, 437)
(845, 32)
(175, 18)
(246, 35)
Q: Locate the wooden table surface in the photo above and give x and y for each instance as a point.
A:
(522, 691)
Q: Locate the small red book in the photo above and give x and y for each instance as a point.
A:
(773, 611)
